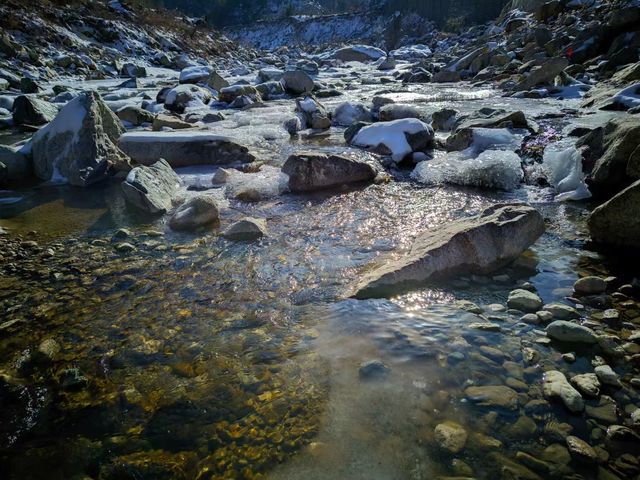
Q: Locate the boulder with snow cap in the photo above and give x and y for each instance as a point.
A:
(313, 113)
(476, 245)
(178, 99)
(197, 74)
(80, 144)
(230, 93)
(398, 138)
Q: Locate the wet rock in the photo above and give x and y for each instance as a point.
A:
(124, 247)
(493, 396)
(151, 189)
(348, 113)
(614, 222)
(313, 113)
(590, 286)
(564, 331)
(15, 168)
(215, 81)
(132, 70)
(523, 428)
(450, 436)
(443, 120)
(491, 118)
(183, 149)
(297, 82)
(166, 121)
(620, 439)
(607, 376)
(561, 311)
(47, 352)
(135, 115)
(555, 385)
(231, 93)
(476, 245)
(524, 300)
(373, 369)
(32, 111)
(79, 145)
(270, 90)
(604, 412)
(72, 379)
(587, 383)
(204, 117)
(446, 76)
(28, 85)
(314, 171)
(270, 74)
(246, 230)
(581, 450)
(397, 111)
(197, 212)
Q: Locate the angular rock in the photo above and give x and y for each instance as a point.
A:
(348, 113)
(564, 331)
(450, 436)
(195, 213)
(587, 383)
(358, 53)
(297, 82)
(152, 188)
(544, 74)
(310, 171)
(181, 149)
(581, 449)
(79, 145)
(313, 113)
(135, 115)
(615, 222)
(32, 111)
(555, 385)
(478, 245)
(230, 93)
(166, 121)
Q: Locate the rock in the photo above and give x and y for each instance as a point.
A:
(549, 10)
(396, 111)
(179, 98)
(204, 117)
(183, 149)
(215, 81)
(373, 369)
(270, 74)
(443, 120)
(450, 436)
(555, 385)
(135, 115)
(194, 74)
(72, 379)
(231, 93)
(310, 171)
(313, 113)
(398, 138)
(490, 118)
(195, 213)
(79, 145)
(246, 230)
(614, 222)
(477, 245)
(621, 439)
(544, 74)
(358, 53)
(561, 311)
(581, 450)
(297, 82)
(270, 90)
(166, 121)
(133, 71)
(32, 111)
(607, 376)
(388, 63)
(524, 300)
(493, 396)
(446, 76)
(587, 383)
(564, 331)
(605, 412)
(28, 85)
(348, 113)
(47, 352)
(152, 188)
(590, 286)
(15, 167)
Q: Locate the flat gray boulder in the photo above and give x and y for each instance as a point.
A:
(476, 245)
(181, 149)
(310, 171)
(80, 144)
(564, 331)
(151, 189)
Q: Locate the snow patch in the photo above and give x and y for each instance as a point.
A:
(392, 135)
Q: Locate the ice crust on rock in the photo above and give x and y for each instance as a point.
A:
(392, 135)
(269, 182)
(493, 139)
(498, 169)
(563, 169)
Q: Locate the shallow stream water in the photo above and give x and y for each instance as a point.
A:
(193, 357)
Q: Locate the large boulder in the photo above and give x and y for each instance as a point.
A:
(616, 222)
(398, 138)
(358, 53)
(543, 74)
(183, 149)
(477, 245)
(195, 74)
(310, 171)
(14, 166)
(196, 213)
(180, 98)
(313, 113)
(28, 110)
(80, 144)
(297, 82)
(152, 188)
(620, 160)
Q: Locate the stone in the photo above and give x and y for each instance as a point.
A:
(132, 70)
(590, 286)
(450, 436)
(270, 90)
(581, 450)
(587, 383)
(215, 81)
(373, 369)
(446, 76)
(29, 85)
(397, 111)
(182, 149)
(348, 113)
(607, 376)
(524, 300)
(152, 188)
(232, 92)
(618, 163)
(604, 412)
(270, 74)
(166, 121)
(493, 396)
(490, 118)
(136, 116)
(32, 111)
(15, 167)
(614, 222)
(358, 53)
(444, 119)
(397, 138)
(555, 385)
(246, 230)
(544, 74)
(312, 113)
(197, 212)
(179, 98)
(477, 245)
(310, 171)
(561, 311)
(564, 331)
(47, 352)
(80, 144)
(297, 82)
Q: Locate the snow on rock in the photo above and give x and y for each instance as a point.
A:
(494, 139)
(357, 53)
(563, 168)
(496, 169)
(399, 137)
(628, 97)
(348, 113)
(197, 74)
(412, 52)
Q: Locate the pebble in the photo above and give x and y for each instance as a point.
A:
(587, 383)
(561, 311)
(564, 331)
(450, 436)
(607, 376)
(524, 300)
(590, 286)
